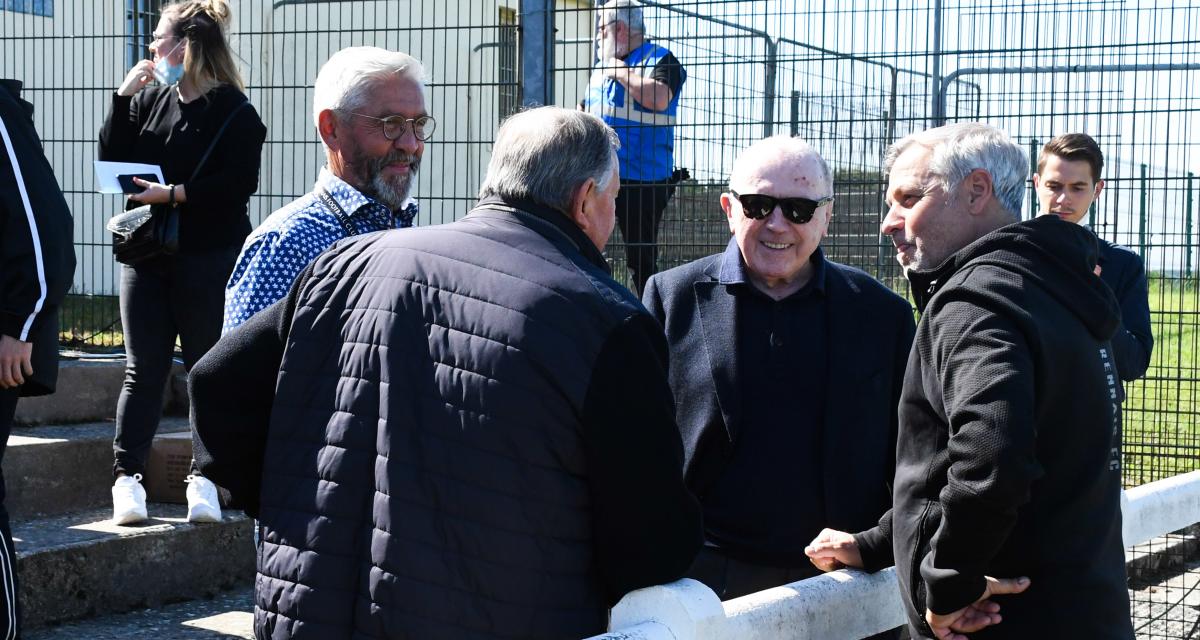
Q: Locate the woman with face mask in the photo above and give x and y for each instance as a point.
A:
(172, 124)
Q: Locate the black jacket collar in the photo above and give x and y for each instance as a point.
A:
(1057, 255)
(557, 219)
(14, 88)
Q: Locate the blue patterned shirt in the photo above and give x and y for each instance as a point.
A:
(292, 237)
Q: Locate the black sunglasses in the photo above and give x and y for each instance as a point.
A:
(757, 206)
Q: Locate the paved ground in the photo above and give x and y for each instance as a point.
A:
(1169, 606)
(226, 617)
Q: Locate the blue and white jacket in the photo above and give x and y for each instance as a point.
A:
(647, 137)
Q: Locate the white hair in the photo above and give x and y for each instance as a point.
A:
(626, 11)
(544, 154)
(958, 149)
(346, 79)
(793, 151)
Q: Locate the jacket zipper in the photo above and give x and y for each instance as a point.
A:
(914, 578)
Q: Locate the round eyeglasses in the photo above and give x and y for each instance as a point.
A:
(394, 126)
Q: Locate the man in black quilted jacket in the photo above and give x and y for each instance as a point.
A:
(1006, 509)
(458, 431)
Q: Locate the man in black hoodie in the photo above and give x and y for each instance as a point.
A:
(37, 263)
(1008, 476)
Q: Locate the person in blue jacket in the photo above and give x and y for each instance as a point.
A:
(1067, 183)
(635, 90)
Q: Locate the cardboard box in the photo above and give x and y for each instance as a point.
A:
(169, 464)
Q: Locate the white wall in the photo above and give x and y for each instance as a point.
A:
(72, 62)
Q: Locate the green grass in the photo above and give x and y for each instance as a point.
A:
(1162, 429)
(91, 323)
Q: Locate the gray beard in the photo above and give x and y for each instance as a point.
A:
(608, 47)
(392, 193)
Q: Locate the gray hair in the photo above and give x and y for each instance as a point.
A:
(793, 151)
(627, 11)
(544, 154)
(958, 149)
(346, 79)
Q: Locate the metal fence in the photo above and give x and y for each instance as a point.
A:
(850, 77)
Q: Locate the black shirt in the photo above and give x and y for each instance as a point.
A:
(769, 503)
(154, 126)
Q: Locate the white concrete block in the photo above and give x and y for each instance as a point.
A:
(686, 608)
(1160, 507)
(841, 605)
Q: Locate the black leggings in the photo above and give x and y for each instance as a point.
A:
(640, 207)
(181, 295)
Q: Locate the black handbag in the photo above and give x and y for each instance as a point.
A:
(152, 230)
(148, 231)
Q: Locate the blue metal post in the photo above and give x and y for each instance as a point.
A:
(1033, 203)
(537, 52)
(1142, 218)
(938, 91)
(795, 113)
(1187, 224)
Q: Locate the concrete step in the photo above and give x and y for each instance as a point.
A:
(59, 469)
(80, 565)
(227, 616)
(88, 390)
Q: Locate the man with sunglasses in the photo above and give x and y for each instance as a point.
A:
(369, 109)
(786, 369)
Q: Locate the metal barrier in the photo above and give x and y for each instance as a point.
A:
(847, 605)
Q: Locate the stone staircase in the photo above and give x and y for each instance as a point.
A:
(72, 562)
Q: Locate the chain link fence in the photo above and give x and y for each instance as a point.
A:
(849, 77)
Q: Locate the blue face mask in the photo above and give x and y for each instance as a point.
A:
(168, 73)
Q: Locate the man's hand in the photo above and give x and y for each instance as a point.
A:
(977, 615)
(15, 362)
(614, 68)
(832, 550)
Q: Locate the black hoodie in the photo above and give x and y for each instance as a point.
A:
(1008, 461)
(37, 257)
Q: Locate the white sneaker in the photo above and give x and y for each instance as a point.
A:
(203, 504)
(129, 500)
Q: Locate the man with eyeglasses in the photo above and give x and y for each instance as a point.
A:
(369, 109)
(635, 90)
(786, 369)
